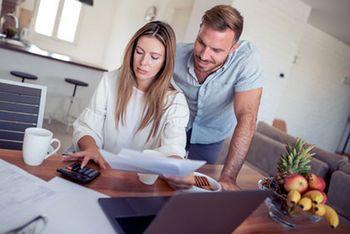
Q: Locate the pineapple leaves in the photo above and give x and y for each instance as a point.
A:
(296, 160)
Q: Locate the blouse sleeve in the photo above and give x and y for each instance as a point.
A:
(173, 135)
(91, 120)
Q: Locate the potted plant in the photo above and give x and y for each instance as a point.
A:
(11, 32)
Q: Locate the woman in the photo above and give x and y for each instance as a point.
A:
(136, 106)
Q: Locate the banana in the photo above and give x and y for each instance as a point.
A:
(305, 203)
(331, 216)
(293, 197)
(319, 209)
(315, 196)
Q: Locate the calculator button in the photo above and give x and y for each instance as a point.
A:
(76, 164)
(92, 174)
(88, 171)
(76, 167)
(81, 170)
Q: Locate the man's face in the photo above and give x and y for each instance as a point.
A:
(212, 47)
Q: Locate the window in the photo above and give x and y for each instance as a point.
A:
(58, 19)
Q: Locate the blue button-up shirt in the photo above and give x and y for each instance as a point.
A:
(212, 116)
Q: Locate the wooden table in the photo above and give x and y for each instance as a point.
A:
(119, 184)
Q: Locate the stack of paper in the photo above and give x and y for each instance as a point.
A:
(135, 161)
(22, 196)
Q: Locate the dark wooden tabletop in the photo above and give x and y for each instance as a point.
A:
(119, 184)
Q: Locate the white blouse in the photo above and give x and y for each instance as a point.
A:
(98, 121)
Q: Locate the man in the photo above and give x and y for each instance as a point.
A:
(222, 81)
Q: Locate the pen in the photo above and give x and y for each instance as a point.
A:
(29, 223)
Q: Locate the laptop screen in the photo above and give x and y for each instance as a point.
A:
(135, 224)
(132, 215)
(217, 212)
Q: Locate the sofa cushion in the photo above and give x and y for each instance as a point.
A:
(319, 167)
(333, 160)
(345, 167)
(264, 153)
(275, 133)
(339, 193)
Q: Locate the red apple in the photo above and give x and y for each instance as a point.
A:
(316, 182)
(295, 182)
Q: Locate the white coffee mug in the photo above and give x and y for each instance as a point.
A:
(145, 178)
(36, 144)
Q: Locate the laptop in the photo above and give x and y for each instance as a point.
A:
(217, 212)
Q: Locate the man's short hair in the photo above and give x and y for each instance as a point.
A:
(222, 17)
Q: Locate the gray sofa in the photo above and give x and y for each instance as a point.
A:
(339, 190)
(269, 143)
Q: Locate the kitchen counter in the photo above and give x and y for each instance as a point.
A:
(31, 49)
(51, 70)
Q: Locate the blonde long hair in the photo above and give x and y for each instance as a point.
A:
(155, 96)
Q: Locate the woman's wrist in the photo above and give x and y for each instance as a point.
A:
(87, 143)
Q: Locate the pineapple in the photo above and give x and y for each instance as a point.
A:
(296, 160)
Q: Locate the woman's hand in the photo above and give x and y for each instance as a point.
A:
(86, 155)
(180, 182)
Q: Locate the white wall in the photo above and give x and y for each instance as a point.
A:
(199, 7)
(177, 13)
(127, 18)
(311, 97)
(316, 103)
(275, 27)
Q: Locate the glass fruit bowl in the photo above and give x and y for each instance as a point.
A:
(278, 208)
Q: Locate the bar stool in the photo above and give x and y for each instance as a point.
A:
(23, 75)
(69, 119)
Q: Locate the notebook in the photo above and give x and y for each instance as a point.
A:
(218, 212)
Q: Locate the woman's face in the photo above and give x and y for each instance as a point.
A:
(149, 56)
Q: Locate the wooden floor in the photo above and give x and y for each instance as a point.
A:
(60, 131)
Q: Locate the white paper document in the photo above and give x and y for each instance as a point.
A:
(22, 196)
(78, 210)
(135, 161)
(68, 207)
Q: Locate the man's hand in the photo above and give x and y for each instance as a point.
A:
(178, 182)
(228, 185)
(87, 155)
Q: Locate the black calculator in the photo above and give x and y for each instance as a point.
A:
(77, 174)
